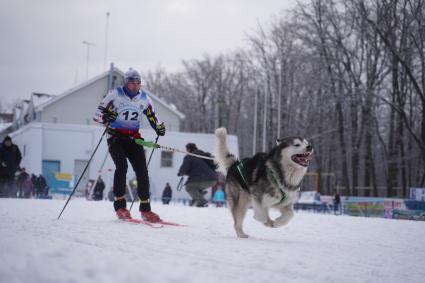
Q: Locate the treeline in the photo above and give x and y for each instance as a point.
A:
(348, 75)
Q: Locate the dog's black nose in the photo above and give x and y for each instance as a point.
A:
(309, 147)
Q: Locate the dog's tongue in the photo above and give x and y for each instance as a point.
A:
(303, 159)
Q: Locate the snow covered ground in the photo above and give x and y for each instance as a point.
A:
(89, 245)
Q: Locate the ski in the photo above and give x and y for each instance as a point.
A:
(171, 223)
(143, 222)
(159, 224)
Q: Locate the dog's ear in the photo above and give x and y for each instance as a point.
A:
(279, 141)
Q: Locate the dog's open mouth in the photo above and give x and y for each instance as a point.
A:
(302, 159)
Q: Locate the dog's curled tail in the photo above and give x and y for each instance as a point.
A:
(223, 157)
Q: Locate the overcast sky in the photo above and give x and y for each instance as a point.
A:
(41, 46)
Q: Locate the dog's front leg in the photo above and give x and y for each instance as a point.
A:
(287, 214)
(261, 214)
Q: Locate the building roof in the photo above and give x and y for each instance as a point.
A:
(40, 98)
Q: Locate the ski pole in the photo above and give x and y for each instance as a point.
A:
(150, 157)
(180, 184)
(147, 165)
(84, 171)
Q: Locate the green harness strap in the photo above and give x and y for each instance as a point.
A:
(277, 183)
(239, 166)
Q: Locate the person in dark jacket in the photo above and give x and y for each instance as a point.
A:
(10, 160)
(98, 189)
(24, 184)
(166, 194)
(201, 175)
(337, 203)
(34, 182)
(42, 189)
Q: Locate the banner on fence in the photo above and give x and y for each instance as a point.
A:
(391, 204)
(364, 206)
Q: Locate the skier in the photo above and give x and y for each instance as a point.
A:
(121, 112)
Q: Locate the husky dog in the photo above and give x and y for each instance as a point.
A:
(267, 179)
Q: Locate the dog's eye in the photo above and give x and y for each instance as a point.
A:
(297, 145)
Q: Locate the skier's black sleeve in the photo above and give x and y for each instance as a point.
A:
(150, 114)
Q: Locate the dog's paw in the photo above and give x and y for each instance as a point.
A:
(242, 235)
(277, 224)
(269, 223)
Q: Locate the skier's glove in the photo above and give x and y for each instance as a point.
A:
(109, 116)
(160, 129)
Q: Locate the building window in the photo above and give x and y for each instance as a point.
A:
(166, 159)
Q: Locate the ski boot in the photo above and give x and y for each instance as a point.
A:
(150, 216)
(123, 213)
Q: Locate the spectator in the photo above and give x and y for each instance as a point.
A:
(201, 175)
(98, 189)
(219, 197)
(88, 188)
(220, 183)
(167, 194)
(34, 183)
(337, 203)
(42, 189)
(24, 184)
(10, 159)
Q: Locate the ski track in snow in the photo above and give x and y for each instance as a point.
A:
(89, 245)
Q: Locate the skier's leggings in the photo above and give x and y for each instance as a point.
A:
(121, 149)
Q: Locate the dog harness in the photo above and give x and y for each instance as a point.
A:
(239, 166)
(277, 184)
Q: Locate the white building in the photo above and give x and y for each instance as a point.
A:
(56, 134)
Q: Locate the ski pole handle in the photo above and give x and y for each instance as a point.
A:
(180, 184)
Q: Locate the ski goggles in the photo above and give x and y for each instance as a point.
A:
(134, 80)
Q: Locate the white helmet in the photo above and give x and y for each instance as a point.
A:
(132, 76)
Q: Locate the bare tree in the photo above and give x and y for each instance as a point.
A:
(346, 74)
